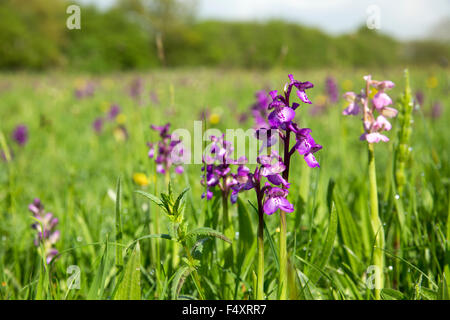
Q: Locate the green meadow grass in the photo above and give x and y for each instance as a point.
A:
(75, 172)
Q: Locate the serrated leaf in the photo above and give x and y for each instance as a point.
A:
(179, 279)
(151, 197)
(130, 286)
(205, 231)
(178, 201)
(197, 248)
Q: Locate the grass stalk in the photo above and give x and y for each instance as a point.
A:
(377, 227)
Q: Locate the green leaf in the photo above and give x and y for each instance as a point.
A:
(119, 256)
(248, 260)
(151, 197)
(207, 232)
(428, 294)
(314, 275)
(97, 287)
(130, 286)
(391, 294)
(179, 279)
(309, 291)
(246, 234)
(349, 232)
(179, 199)
(151, 236)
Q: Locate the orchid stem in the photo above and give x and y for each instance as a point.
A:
(283, 281)
(283, 257)
(260, 284)
(377, 227)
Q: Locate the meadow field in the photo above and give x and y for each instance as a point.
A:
(83, 152)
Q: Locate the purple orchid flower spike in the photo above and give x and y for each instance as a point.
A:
(332, 89)
(154, 98)
(218, 165)
(167, 152)
(436, 110)
(420, 97)
(373, 126)
(47, 235)
(114, 111)
(136, 88)
(272, 196)
(272, 166)
(97, 125)
(85, 91)
(355, 101)
(260, 110)
(20, 135)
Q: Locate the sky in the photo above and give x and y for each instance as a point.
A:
(403, 19)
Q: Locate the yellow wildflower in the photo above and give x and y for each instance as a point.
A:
(140, 179)
(214, 118)
(372, 93)
(121, 118)
(432, 82)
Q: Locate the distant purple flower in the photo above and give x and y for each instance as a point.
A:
(332, 89)
(260, 109)
(114, 111)
(167, 152)
(420, 97)
(355, 103)
(97, 125)
(136, 88)
(242, 118)
(46, 229)
(20, 135)
(154, 97)
(85, 91)
(436, 110)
